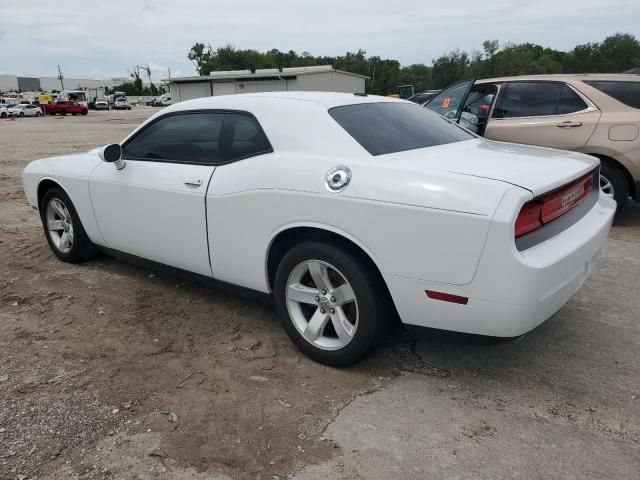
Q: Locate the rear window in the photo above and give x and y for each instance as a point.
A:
(391, 127)
(625, 92)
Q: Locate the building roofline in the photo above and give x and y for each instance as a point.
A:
(288, 75)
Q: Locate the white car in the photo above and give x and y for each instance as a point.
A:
(121, 103)
(24, 110)
(348, 210)
(101, 105)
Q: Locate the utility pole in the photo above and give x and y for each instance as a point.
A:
(60, 77)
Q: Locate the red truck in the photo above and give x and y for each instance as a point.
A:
(64, 108)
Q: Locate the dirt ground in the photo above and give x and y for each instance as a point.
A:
(111, 371)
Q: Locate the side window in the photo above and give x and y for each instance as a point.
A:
(446, 103)
(570, 101)
(529, 99)
(538, 99)
(189, 138)
(625, 92)
(243, 137)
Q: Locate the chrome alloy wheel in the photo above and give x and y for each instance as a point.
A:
(606, 186)
(60, 225)
(322, 305)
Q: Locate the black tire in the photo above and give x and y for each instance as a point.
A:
(84, 112)
(3, 115)
(373, 305)
(22, 114)
(82, 249)
(618, 182)
(38, 114)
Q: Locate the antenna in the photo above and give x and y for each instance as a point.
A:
(60, 77)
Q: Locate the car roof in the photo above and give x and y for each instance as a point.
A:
(326, 99)
(567, 77)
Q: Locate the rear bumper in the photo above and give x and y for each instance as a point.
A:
(512, 292)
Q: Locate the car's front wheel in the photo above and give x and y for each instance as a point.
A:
(613, 184)
(64, 231)
(331, 302)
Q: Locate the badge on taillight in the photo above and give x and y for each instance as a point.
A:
(567, 198)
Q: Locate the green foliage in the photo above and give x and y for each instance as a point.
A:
(614, 54)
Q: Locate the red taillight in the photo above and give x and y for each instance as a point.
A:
(446, 297)
(536, 213)
(529, 218)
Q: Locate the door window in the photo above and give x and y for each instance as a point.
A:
(477, 107)
(187, 138)
(446, 103)
(570, 101)
(538, 99)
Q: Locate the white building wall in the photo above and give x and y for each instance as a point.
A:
(226, 88)
(329, 81)
(187, 91)
(8, 83)
(260, 86)
(341, 82)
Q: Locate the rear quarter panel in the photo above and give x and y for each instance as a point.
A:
(432, 226)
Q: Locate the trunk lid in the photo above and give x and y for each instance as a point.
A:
(537, 169)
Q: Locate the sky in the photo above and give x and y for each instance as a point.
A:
(107, 38)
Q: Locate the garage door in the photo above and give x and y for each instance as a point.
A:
(194, 90)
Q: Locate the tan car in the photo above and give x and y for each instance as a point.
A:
(596, 114)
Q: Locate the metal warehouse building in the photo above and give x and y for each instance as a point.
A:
(317, 78)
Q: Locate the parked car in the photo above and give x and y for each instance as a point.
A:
(121, 103)
(423, 98)
(345, 209)
(101, 105)
(4, 111)
(594, 114)
(24, 110)
(64, 108)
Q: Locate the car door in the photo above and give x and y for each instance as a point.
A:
(449, 101)
(154, 207)
(545, 113)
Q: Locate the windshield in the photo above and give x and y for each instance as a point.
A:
(77, 96)
(392, 127)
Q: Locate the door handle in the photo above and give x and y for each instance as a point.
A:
(193, 182)
(569, 124)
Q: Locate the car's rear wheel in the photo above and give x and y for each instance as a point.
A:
(331, 303)
(64, 231)
(614, 185)
(22, 114)
(38, 114)
(3, 115)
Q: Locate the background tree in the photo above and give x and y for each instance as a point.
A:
(614, 54)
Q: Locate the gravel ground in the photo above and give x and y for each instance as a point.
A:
(112, 371)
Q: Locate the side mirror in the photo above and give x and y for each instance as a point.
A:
(112, 154)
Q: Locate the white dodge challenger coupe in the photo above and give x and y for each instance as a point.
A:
(350, 210)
